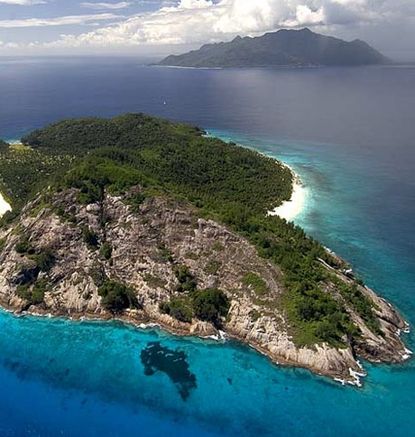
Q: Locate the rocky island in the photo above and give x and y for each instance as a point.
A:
(285, 48)
(148, 221)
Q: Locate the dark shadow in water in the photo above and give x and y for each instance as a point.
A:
(173, 363)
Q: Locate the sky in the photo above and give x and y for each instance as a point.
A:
(160, 27)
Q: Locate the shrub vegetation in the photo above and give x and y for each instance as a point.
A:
(116, 297)
(210, 305)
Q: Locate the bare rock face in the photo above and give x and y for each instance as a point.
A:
(147, 244)
(388, 347)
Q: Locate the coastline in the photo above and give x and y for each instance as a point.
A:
(290, 209)
(352, 377)
(4, 206)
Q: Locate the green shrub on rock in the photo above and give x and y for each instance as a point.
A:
(135, 200)
(90, 238)
(44, 259)
(23, 247)
(117, 297)
(33, 294)
(106, 251)
(253, 280)
(211, 305)
(187, 282)
(178, 308)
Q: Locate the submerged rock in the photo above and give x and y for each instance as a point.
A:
(157, 358)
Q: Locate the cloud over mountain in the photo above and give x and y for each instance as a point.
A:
(197, 21)
(133, 24)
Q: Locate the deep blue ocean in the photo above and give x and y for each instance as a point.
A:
(350, 135)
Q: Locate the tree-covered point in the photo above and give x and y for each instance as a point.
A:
(78, 136)
(135, 147)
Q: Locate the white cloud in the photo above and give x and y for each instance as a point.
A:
(23, 2)
(103, 5)
(58, 21)
(8, 45)
(197, 21)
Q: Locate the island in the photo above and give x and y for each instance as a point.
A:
(295, 48)
(147, 221)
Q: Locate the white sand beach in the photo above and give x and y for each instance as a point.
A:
(291, 208)
(4, 206)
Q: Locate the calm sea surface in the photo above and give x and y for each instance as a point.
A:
(349, 133)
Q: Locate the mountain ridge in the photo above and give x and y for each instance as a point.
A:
(285, 47)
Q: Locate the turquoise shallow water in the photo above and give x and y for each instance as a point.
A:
(349, 133)
(61, 377)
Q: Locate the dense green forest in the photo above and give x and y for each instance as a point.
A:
(228, 183)
(133, 149)
(24, 171)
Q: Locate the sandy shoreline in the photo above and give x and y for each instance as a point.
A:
(4, 206)
(290, 209)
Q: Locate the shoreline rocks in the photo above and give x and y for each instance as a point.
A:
(146, 246)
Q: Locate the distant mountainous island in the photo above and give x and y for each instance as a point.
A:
(282, 48)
